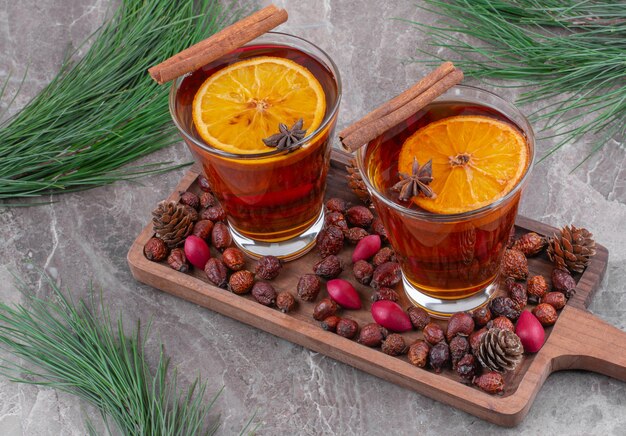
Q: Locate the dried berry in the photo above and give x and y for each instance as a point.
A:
(330, 323)
(213, 213)
(197, 251)
(515, 264)
(336, 204)
(481, 316)
(308, 287)
(355, 234)
(329, 267)
(419, 317)
(203, 229)
(324, 309)
(360, 216)
(491, 382)
(190, 199)
(554, 299)
(385, 254)
(343, 293)
(388, 275)
(459, 347)
(264, 293)
(379, 229)
(285, 302)
(439, 357)
(433, 333)
(178, 261)
(220, 236)
(207, 200)
(155, 249)
(475, 338)
(562, 281)
(537, 287)
(372, 335)
(329, 241)
(234, 258)
(385, 294)
(504, 306)
(268, 267)
(530, 244)
(467, 368)
(241, 282)
(546, 314)
(502, 323)
(216, 272)
(517, 293)
(363, 271)
(347, 328)
(394, 345)
(461, 323)
(203, 183)
(336, 219)
(418, 353)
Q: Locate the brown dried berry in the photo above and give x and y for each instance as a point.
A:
(330, 323)
(360, 216)
(216, 272)
(264, 293)
(336, 204)
(203, 229)
(439, 357)
(461, 323)
(433, 333)
(213, 213)
(418, 353)
(324, 309)
(203, 183)
(386, 275)
(502, 323)
(155, 249)
(220, 236)
(467, 367)
(504, 306)
(517, 293)
(530, 244)
(372, 335)
(347, 328)
(419, 317)
(475, 338)
(336, 219)
(491, 382)
(562, 281)
(285, 302)
(178, 261)
(241, 282)
(190, 199)
(207, 200)
(537, 287)
(355, 234)
(362, 271)
(554, 299)
(385, 254)
(546, 314)
(268, 267)
(329, 267)
(459, 347)
(394, 345)
(379, 229)
(234, 258)
(481, 316)
(385, 294)
(329, 241)
(515, 264)
(308, 287)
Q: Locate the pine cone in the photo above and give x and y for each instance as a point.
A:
(572, 249)
(356, 183)
(500, 350)
(172, 223)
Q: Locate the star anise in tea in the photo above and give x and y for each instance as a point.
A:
(286, 137)
(417, 182)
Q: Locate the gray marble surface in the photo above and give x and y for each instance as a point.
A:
(84, 237)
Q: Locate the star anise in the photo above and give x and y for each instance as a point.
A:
(286, 137)
(411, 185)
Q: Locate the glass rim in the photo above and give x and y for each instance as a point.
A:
(530, 137)
(328, 61)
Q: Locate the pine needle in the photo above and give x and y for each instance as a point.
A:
(103, 111)
(571, 53)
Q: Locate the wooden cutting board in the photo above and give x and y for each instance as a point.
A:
(578, 340)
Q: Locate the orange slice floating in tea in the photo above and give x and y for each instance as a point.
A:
(476, 161)
(241, 104)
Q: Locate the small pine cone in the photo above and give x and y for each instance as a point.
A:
(172, 222)
(500, 350)
(572, 249)
(530, 244)
(355, 182)
(515, 264)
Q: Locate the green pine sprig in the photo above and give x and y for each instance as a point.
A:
(570, 53)
(103, 111)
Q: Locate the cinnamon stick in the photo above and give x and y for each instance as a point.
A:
(400, 107)
(221, 43)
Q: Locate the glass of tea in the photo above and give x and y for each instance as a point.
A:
(260, 122)
(447, 184)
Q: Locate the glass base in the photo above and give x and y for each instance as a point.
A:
(285, 250)
(443, 309)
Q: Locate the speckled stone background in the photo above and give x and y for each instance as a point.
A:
(84, 237)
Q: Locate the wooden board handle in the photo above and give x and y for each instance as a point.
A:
(581, 340)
